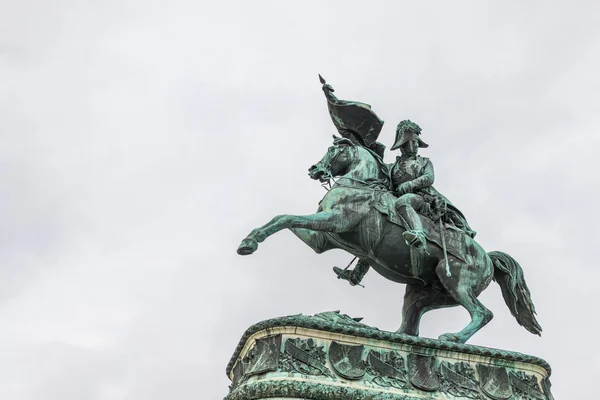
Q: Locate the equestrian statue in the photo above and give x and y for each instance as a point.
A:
(392, 219)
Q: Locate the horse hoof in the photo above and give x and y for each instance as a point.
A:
(449, 337)
(247, 247)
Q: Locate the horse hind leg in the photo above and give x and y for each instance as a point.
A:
(417, 301)
(464, 284)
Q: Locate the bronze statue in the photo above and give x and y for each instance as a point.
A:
(392, 219)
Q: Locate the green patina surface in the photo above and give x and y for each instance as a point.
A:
(361, 330)
(390, 217)
(394, 221)
(303, 390)
(333, 356)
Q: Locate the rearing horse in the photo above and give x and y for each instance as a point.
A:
(346, 219)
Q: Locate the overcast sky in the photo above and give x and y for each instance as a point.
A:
(140, 141)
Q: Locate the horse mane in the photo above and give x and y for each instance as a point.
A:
(383, 167)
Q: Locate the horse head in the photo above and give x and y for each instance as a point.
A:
(339, 157)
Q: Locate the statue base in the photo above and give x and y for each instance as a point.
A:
(330, 356)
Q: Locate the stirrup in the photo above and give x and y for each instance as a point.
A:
(414, 238)
(345, 274)
(348, 275)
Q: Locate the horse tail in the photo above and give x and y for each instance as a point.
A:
(509, 275)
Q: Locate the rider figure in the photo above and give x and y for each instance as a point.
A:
(412, 176)
(412, 179)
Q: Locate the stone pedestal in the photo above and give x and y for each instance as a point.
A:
(330, 356)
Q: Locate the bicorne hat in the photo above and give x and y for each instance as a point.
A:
(405, 131)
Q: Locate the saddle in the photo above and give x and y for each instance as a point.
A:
(456, 239)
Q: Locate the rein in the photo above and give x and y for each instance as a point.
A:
(328, 175)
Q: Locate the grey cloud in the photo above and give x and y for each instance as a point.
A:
(140, 142)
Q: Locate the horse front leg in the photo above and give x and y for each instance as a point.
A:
(328, 221)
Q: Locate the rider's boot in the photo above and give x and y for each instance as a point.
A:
(353, 276)
(415, 236)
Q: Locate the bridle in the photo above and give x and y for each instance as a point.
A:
(327, 178)
(326, 166)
